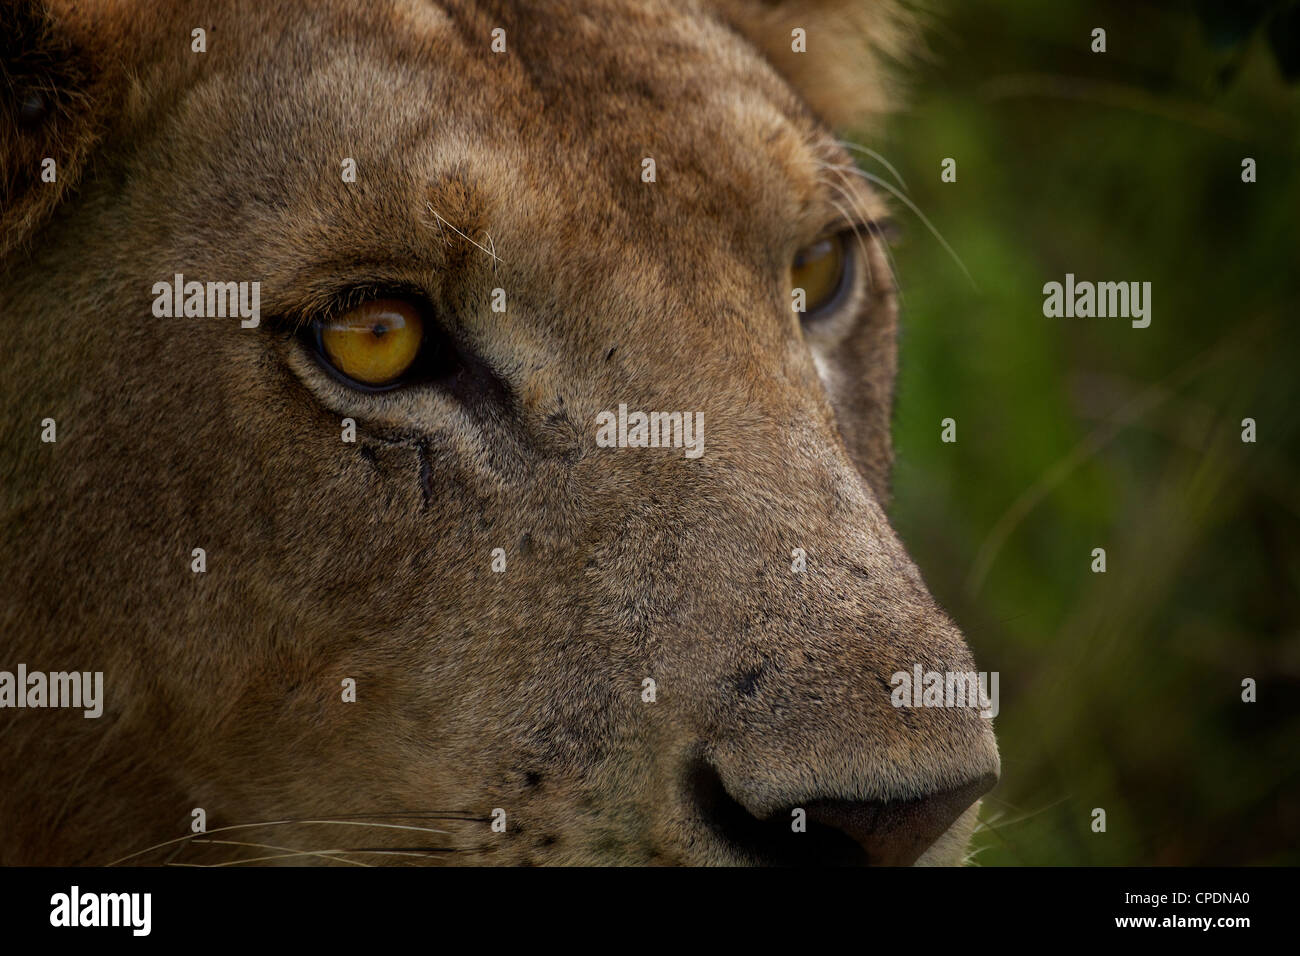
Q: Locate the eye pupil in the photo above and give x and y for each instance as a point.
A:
(373, 345)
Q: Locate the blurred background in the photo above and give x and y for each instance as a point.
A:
(1120, 690)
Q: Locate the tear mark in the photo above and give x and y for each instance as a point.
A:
(426, 473)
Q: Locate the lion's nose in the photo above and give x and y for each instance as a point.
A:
(835, 832)
(897, 833)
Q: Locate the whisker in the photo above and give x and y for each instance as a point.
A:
(859, 212)
(893, 270)
(276, 823)
(427, 850)
(879, 234)
(287, 852)
(877, 157)
(866, 253)
(1027, 816)
(339, 854)
(884, 243)
(922, 216)
(286, 856)
(467, 815)
(490, 252)
(969, 860)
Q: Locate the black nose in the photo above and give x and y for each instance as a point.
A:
(838, 832)
(897, 833)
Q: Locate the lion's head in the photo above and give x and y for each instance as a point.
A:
(638, 654)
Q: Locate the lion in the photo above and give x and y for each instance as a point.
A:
(344, 547)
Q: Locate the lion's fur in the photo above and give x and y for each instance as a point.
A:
(476, 690)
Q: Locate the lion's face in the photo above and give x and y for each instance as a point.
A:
(514, 678)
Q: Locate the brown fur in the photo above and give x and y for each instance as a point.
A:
(326, 560)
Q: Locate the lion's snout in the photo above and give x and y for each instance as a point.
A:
(781, 673)
(826, 831)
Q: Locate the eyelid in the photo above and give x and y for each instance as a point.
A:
(885, 229)
(331, 303)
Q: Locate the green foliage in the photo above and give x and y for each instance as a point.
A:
(1119, 690)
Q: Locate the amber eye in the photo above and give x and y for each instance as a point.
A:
(819, 269)
(374, 344)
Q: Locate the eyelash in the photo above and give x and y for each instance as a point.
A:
(336, 303)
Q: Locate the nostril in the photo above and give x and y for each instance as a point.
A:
(770, 841)
(838, 832)
(896, 833)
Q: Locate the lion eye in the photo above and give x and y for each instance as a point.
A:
(374, 344)
(819, 270)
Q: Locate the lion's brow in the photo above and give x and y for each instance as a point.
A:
(490, 249)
